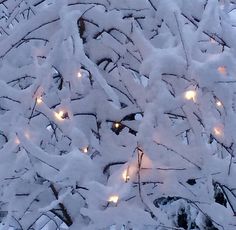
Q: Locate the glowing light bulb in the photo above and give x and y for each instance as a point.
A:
(59, 115)
(218, 103)
(39, 100)
(218, 131)
(117, 125)
(84, 149)
(222, 70)
(113, 199)
(190, 95)
(79, 74)
(125, 175)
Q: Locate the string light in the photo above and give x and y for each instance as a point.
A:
(219, 103)
(39, 100)
(60, 115)
(218, 131)
(117, 125)
(79, 74)
(125, 175)
(190, 95)
(84, 149)
(222, 70)
(114, 199)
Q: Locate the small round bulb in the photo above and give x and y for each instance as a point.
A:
(79, 74)
(218, 103)
(113, 199)
(84, 149)
(117, 125)
(190, 95)
(39, 100)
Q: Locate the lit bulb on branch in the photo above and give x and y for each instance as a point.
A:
(222, 70)
(125, 175)
(79, 74)
(113, 199)
(117, 125)
(84, 149)
(61, 115)
(190, 95)
(39, 100)
(219, 103)
(218, 131)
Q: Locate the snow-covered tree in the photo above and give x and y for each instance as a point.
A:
(117, 114)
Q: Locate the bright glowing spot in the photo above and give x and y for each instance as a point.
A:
(79, 74)
(39, 100)
(116, 125)
(218, 131)
(125, 175)
(218, 103)
(222, 70)
(84, 149)
(190, 95)
(59, 115)
(113, 199)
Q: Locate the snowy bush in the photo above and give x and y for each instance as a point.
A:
(117, 114)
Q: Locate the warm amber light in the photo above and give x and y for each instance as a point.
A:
(59, 115)
(222, 70)
(117, 125)
(125, 175)
(84, 149)
(113, 199)
(39, 100)
(218, 131)
(190, 95)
